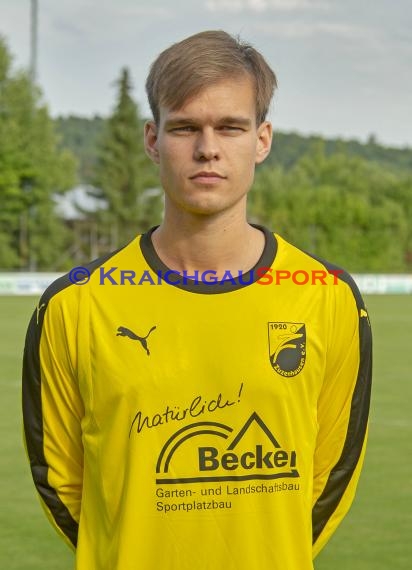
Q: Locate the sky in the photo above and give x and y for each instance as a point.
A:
(344, 67)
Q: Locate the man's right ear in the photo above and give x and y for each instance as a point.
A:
(150, 141)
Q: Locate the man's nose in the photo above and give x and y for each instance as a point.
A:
(207, 145)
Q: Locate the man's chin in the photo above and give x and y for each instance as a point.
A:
(211, 208)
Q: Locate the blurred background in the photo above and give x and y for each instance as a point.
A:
(75, 183)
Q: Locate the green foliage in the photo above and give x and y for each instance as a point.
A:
(288, 148)
(31, 170)
(342, 208)
(124, 172)
(81, 136)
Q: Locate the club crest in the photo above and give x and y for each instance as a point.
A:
(287, 348)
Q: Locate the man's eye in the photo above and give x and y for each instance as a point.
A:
(184, 129)
(231, 128)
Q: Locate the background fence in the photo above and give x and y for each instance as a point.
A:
(36, 283)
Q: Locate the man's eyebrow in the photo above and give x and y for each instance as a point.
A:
(229, 120)
(177, 121)
(239, 121)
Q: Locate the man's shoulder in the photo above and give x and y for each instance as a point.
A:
(73, 282)
(302, 260)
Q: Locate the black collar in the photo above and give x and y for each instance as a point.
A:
(229, 282)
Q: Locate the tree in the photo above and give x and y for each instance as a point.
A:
(124, 172)
(32, 169)
(81, 136)
(342, 208)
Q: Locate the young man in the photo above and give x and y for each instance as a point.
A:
(194, 405)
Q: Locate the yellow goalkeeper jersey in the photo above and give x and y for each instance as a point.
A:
(193, 423)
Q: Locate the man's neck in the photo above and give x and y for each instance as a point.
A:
(217, 243)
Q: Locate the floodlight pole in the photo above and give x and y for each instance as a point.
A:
(33, 40)
(31, 260)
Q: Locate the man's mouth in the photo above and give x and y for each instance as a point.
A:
(207, 177)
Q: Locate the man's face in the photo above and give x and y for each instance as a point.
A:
(207, 150)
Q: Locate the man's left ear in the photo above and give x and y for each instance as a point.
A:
(264, 141)
(150, 141)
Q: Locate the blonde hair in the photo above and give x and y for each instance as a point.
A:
(187, 67)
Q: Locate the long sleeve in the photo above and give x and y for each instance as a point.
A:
(343, 409)
(52, 413)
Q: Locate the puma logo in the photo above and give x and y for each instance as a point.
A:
(123, 331)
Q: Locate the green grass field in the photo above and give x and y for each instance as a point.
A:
(376, 535)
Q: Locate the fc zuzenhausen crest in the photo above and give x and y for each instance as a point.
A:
(287, 347)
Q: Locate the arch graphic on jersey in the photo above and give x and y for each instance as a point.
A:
(252, 453)
(287, 347)
(176, 444)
